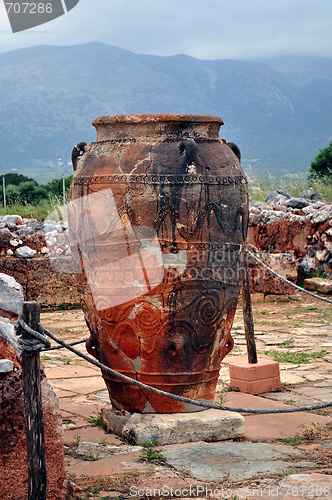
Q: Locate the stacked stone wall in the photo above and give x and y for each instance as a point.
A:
(291, 235)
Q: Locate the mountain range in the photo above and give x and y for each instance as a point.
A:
(278, 110)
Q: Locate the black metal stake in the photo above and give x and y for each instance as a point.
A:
(30, 361)
(247, 315)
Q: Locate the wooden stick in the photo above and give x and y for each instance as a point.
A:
(247, 315)
(30, 361)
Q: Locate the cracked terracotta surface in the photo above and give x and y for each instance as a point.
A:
(158, 217)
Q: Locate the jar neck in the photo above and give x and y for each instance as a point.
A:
(122, 127)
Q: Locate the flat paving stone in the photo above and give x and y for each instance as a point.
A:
(234, 461)
(312, 377)
(272, 426)
(71, 371)
(277, 396)
(163, 429)
(324, 383)
(286, 397)
(82, 385)
(317, 393)
(311, 486)
(89, 433)
(293, 487)
(103, 396)
(90, 448)
(302, 401)
(73, 408)
(74, 422)
(290, 378)
(113, 464)
(327, 445)
(62, 393)
(274, 342)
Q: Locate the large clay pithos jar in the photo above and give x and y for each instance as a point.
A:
(158, 218)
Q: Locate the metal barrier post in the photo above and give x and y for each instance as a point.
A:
(30, 361)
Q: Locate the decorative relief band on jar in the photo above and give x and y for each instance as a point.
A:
(161, 179)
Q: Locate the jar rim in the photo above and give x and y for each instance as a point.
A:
(156, 118)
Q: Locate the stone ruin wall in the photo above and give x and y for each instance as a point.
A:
(291, 235)
(13, 446)
(38, 257)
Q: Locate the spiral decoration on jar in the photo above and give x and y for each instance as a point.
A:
(147, 319)
(209, 308)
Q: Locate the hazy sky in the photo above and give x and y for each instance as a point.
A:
(206, 29)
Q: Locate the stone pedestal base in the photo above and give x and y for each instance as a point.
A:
(162, 429)
(264, 376)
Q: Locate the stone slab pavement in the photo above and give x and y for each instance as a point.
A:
(286, 456)
(235, 462)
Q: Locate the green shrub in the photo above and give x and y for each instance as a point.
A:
(322, 164)
(55, 187)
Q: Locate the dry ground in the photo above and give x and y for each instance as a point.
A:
(297, 331)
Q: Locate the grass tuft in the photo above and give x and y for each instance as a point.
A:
(307, 436)
(297, 358)
(96, 419)
(150, 453)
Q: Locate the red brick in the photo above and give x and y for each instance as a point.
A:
(264, 376)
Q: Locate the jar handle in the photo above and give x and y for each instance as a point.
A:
(78, 151)
(235, 149)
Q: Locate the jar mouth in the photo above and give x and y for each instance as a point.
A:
(156, 118)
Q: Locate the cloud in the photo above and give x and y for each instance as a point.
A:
(213, 29)
(3, 15)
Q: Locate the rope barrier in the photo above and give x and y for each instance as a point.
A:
(39, 341)
(42, 334)
(54, 348)
(287, 281)
(36, 343)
